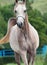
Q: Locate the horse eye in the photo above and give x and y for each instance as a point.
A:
(15, 11)
(25, 11)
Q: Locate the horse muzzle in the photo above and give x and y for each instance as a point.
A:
(20, 25)
(20, 21)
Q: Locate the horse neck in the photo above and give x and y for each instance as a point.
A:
(26, 27)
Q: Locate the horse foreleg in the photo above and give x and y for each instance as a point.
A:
(17, 58)
(29, 57)
(32, 58)
(24, 57)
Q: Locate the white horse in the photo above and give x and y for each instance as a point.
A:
(23, 37)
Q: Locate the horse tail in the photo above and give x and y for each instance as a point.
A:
(11, 23)
(5, 39)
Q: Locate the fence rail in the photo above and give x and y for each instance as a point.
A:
(4, 53)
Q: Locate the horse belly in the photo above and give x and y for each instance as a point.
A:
(13, 39)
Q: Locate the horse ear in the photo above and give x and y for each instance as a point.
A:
(16, 1)
(24, 1)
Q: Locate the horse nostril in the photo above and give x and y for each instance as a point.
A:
(19, 25)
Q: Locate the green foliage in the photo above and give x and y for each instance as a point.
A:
(45, 17)
(5, 13)
(2, 25)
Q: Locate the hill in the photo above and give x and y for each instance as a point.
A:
(41, 5)
(6, 2)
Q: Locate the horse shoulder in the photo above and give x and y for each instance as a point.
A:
(13, 39)
(34, 35)
(13, 33)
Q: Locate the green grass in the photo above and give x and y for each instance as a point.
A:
(14, 64)
(39, 60)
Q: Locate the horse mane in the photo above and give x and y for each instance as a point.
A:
(26, 24)
(11, 22)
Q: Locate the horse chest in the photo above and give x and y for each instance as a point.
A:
(23, 41)
(18, 40)
(13, 39)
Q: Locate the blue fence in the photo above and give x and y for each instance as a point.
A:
(42, 51)
(6, 53)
